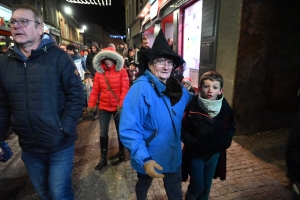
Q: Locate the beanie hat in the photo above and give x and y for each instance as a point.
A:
(111, 45)
(71, 47)
(130, 49)
(88, 75)
(95, 44)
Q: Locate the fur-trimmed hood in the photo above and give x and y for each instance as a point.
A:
(107, 53)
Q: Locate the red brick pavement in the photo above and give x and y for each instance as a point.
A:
(253, 171)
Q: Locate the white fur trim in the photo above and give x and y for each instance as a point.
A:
(107, 54)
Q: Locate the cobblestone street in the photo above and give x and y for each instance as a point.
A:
(255, 169)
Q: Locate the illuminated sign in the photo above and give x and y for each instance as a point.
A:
(154, 10)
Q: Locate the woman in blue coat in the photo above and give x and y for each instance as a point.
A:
(150, 125)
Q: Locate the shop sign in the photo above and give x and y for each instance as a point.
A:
(55, 32)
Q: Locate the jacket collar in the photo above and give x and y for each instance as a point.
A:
(159, 86)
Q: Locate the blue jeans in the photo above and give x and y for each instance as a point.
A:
(201, 175)
(51, 174)
(172, 184)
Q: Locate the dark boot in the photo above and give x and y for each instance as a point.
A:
(121, 153)
(104, 147)
(121, 150)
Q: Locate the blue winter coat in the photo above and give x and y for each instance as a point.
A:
(150, 127)
(41, 97)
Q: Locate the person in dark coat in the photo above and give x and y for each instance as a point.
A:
(129, 58)
(293, 155)
(41, 98)
(90, 58)
(208, 128)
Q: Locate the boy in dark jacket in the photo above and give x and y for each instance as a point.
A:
(208, 128)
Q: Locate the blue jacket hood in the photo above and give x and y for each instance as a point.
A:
(46, 39)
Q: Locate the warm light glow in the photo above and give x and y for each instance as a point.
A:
(68, 10)
(142, 15)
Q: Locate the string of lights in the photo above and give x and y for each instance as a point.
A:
(92, 2)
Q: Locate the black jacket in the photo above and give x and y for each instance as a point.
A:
(203, 135)
(89, 63)
(293, 151)
(41, 98)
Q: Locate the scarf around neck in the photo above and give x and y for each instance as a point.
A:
(211, 107)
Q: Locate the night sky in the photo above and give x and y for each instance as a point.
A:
(105, 16)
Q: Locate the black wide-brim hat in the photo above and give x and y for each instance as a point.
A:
(160, 48)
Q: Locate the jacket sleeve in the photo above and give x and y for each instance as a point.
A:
(133, 114)
(5, 113)
(124, 85)
(74, 95)
(95, 92)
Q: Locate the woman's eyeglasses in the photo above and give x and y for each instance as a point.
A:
(162, 63)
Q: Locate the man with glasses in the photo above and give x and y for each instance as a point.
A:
(41, 98)
(150, 124)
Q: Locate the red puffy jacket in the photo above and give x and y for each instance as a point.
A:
(117, 78)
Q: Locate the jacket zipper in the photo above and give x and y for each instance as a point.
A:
(27, 102)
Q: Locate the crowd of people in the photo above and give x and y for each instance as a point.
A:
(126, 83)
(145, 85)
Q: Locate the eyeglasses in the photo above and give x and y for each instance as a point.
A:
(162, 63)
(21, 22)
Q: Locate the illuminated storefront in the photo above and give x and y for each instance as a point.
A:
(5, 36)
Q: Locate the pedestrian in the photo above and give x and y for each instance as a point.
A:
(133, 72)
(84, 57)
(170, 43)
(122, 49)
(129, 58)
(143, 47)
(78, 60)
(63, 46)
(83, 49)
(150, 125)
(187, 83)
(208, 128)
(292, 155)
(42, 103)
(111, 82)
(88, 86)
(90, 57)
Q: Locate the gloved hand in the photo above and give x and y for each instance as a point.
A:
(90, 109)
(149, 169)
(118, 113)
(5, 152)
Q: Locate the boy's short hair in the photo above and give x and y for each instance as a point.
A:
(213, 76)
